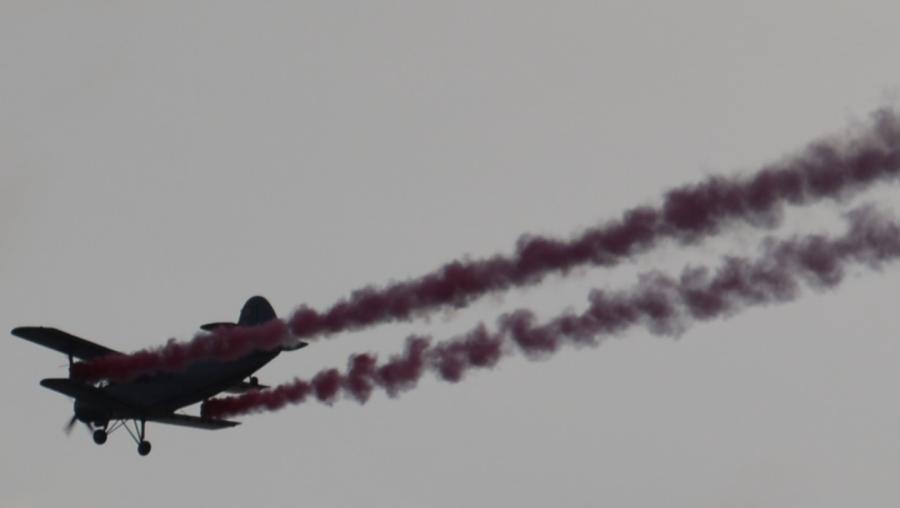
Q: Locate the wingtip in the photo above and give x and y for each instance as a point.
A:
(25, 331)
(53, 382)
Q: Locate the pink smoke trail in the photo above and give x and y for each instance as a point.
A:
(827, 169)
(664, 304)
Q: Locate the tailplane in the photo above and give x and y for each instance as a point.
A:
(256, 311)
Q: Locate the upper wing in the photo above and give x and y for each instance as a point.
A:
(196, 422)
(63, 342)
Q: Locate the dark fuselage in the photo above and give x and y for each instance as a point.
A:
(161, 394)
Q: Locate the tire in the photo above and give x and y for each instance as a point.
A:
(100, 436)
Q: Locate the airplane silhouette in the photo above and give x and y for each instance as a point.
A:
(108, 406)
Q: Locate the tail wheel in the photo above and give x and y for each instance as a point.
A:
(144, 448)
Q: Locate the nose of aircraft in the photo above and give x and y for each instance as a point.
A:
(256, 311)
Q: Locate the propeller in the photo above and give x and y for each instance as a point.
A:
(70, 425)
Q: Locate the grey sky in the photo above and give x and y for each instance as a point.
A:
(160, 162)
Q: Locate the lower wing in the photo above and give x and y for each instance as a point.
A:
(97, 397)
(196, 422)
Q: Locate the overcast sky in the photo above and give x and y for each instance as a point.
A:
(160, 162)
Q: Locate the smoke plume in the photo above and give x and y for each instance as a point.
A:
(827, 169)
(664, 304)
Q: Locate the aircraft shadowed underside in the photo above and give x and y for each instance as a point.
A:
(108, 406)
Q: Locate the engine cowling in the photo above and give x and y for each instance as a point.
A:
(90, 414)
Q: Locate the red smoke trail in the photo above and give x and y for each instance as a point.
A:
(664, 304)
(827, 169)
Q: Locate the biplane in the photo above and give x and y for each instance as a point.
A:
(106, 406)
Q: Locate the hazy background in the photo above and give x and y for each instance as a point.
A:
(161, 162)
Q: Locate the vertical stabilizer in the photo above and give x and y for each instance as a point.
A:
(256, 311)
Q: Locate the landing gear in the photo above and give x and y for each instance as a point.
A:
(143, 444)
(139, 433)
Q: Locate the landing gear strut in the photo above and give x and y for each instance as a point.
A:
(143, 444)
(139, 434)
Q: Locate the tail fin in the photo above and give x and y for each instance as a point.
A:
(256, 311)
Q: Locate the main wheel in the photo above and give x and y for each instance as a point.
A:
(100, 436)
(144, 448)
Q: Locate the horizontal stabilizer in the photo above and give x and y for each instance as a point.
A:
(209, 327)
(244, 387)
(295, 346)
(196, 422)
(63, 342)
